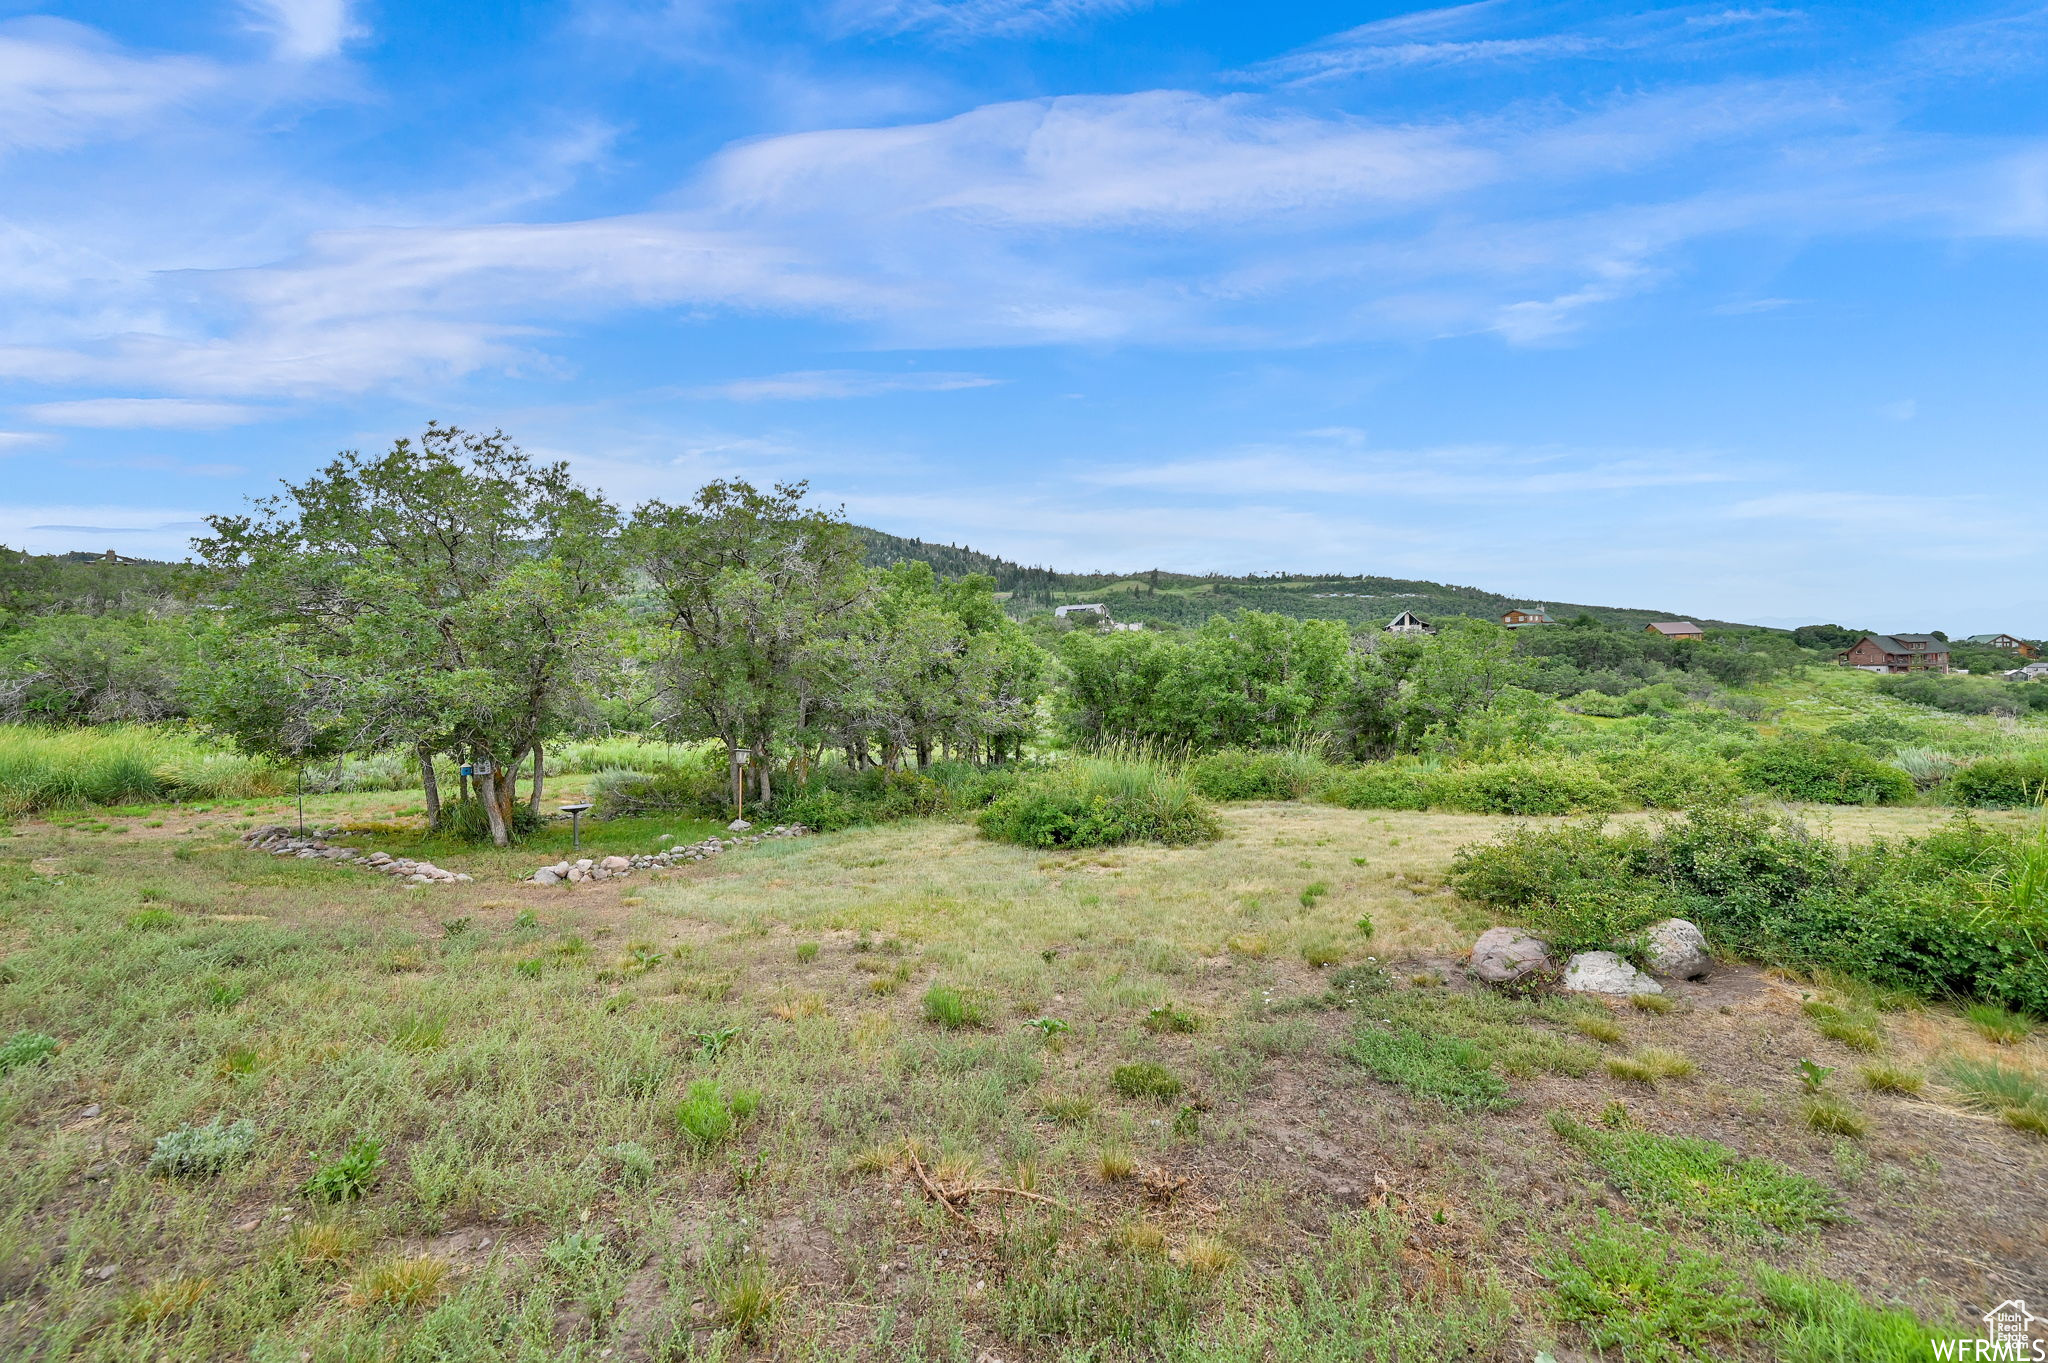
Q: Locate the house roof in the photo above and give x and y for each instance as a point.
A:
(1410, 616)
(1988, 638)
(1676, 627)
(1908, 643)
(1090, 606)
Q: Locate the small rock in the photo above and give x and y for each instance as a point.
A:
(561, 869)
(89, 1110)
(104, 1271)
(615, 863)
(1677, 949)
(1603, 972)
(738, 826)
(1505, 956)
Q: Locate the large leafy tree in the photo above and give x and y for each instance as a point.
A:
(926, 665)
(1251, 679)
(1443, 692)
(447, 595)
(748, 584)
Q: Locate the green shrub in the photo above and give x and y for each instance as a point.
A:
(26, 1048)
(1577, 886)
(1704, 1181)
(1661, 779)
(2001, 782)
(1535, 786)
(1822, 770)
(710, 1112)
(1384, 785)
(348, 1176)
(1102, 802)
(203, 1151)
(1273, 774)
(1145, 1079)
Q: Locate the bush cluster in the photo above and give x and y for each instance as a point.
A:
(1102, 802)
(2002, 782)
(1522, 786)
(1960, 912)
(1823, 770)
(1252, 774)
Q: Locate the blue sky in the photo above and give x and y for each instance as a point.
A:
(1731, 310)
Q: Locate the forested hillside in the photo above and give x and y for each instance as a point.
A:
(1189, 599)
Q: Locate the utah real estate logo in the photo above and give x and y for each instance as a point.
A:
(2008, 1334)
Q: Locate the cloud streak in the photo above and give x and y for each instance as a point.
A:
(809, 385)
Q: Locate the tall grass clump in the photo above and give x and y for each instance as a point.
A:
(1102, 802)
(43, 769)
(1253, 774)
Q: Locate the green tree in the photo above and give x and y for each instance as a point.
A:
(1413, 693)
(748, 584)
(448, 595)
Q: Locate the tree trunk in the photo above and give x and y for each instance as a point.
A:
(767, 785)
(431, 786)
(539, 779)
(487, 791)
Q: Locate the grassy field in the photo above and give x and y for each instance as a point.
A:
(905, 1093)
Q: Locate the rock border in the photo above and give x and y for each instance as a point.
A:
(615, 867)
(280, 841)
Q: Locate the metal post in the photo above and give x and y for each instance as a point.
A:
(302, 799)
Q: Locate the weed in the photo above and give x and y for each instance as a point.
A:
(1049, 1028)
(632, 1163)
(457, 927)
(1314, 891)
(1814, 1076)
(806, 952)
(1999, 1025)
(2017, 1097)
(1449, 1069)
(1114, 1163)
(525, 920)
(1857, 1030)
(745, 1300)
(152, 920)
(1893, 1079)
(203, 1151)
(1599, 1027)
(575, 1251)
(951, 1009)
(1145, 1079)
(1652, 1003)
(531, 969)
(1615, 1115)
(1321, 952)
(1168, 1018)
(405, 1283)
(421, 1032)
(1835, 1117)
(1651, 1064)
(1704, 1180)
(1817, 1321)
(1246, 944)
(1205, 1254)
(1364, 925)
(1070, 1110)
(709, 1112)
(26, 1048)
(348, 1176)
(318, 1244)
(1634, 1289)
(167, 1300)
(712, 1044)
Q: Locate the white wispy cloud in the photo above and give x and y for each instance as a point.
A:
(304, 30)
(63, 84)
(13, 441)
(153, 531)
(143, 414)
(973, 18)
(806, 385)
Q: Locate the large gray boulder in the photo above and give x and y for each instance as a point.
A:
(546, 876)
(1603, 972)
(1676, 949)
(1505, 956)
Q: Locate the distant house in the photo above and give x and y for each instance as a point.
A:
(1520, 617)
(1408, 622)
(2006, 642)
(1675, 629)
(111, 557)
(1896, 653)
(1094, 607)
(2028, 672)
